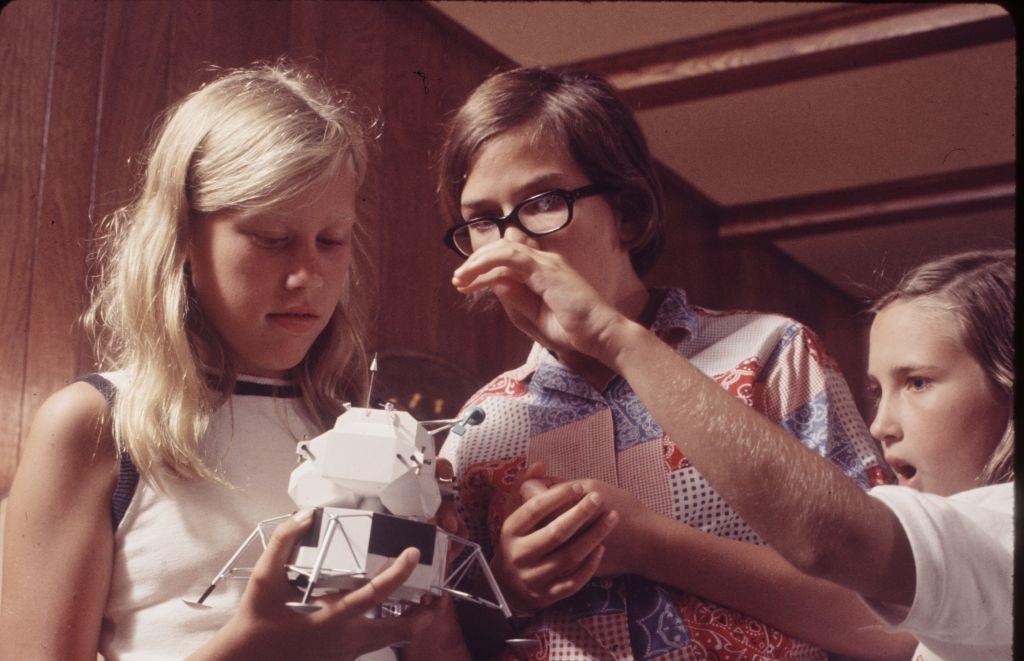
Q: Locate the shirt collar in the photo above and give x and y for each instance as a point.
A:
(673, 320)
(674, 315)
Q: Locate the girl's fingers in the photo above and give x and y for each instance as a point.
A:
(534, 475)
(532, 487)
(533, 480)
(448, 518)
(270, 565)
(534, 471)
(443, 469)
(375, 634)
(379, 587)
(566, 560)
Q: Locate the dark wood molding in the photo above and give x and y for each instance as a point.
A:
(669, 177)
(933, 196)
(465, 37)
(783, 50)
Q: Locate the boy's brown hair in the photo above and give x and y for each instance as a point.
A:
(570, 110)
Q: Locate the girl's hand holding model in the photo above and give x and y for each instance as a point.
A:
(264, 627)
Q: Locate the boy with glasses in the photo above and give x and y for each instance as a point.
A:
(558, 212)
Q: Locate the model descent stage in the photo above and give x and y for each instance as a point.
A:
(372, 485)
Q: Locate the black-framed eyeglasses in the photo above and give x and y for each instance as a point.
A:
(538, 215)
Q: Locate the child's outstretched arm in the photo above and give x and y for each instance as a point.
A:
(58, 538)
(800, 504)
(749, 578)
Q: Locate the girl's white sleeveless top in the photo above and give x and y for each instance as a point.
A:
(174, 539)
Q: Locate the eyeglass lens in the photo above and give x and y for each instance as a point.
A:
(545, 214)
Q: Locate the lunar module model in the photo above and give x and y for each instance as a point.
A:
(371, 483)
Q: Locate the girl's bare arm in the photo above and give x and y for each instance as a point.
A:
(58, 538)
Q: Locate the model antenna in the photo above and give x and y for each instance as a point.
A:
(373, 373)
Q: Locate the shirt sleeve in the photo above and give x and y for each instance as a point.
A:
(963, 556)
(803, 391)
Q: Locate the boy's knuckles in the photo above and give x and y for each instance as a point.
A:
(535, 507)
(559, 533)
(577, 556)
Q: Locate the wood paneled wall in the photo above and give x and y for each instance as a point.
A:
(755, 275)
(83, 82)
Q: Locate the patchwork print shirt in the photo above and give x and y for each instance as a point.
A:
(542, 411)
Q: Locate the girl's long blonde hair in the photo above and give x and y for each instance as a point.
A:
(251, 139)
(978, 288)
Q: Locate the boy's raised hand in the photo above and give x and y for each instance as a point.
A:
(543, 296)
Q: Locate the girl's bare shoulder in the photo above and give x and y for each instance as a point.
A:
(58, 546)
(70, 435)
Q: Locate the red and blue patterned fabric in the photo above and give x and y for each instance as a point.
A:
(543, 411)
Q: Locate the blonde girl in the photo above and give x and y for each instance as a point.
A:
(228, 320)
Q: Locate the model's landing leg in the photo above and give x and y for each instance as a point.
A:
(455, 577)
(229, 566)
(304, 606)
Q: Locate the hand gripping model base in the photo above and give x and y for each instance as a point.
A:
(370, 481)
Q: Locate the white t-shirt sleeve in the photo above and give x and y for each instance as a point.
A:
(963, 554)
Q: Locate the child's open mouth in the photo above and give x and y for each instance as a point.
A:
(905, 471)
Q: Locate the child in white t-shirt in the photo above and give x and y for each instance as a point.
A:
(933, 556)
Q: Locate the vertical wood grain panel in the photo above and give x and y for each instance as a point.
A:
(409, 252)
(689, 256)
(351, 40)
(58, 276)
(429, 74)
(225, 34)
(26, 39)
(134, 81)
(307, 34)
(354, 41)
(135, 68)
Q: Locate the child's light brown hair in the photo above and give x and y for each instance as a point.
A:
(978, 288)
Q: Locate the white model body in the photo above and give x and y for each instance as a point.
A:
(369, 454)
(371, 483)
